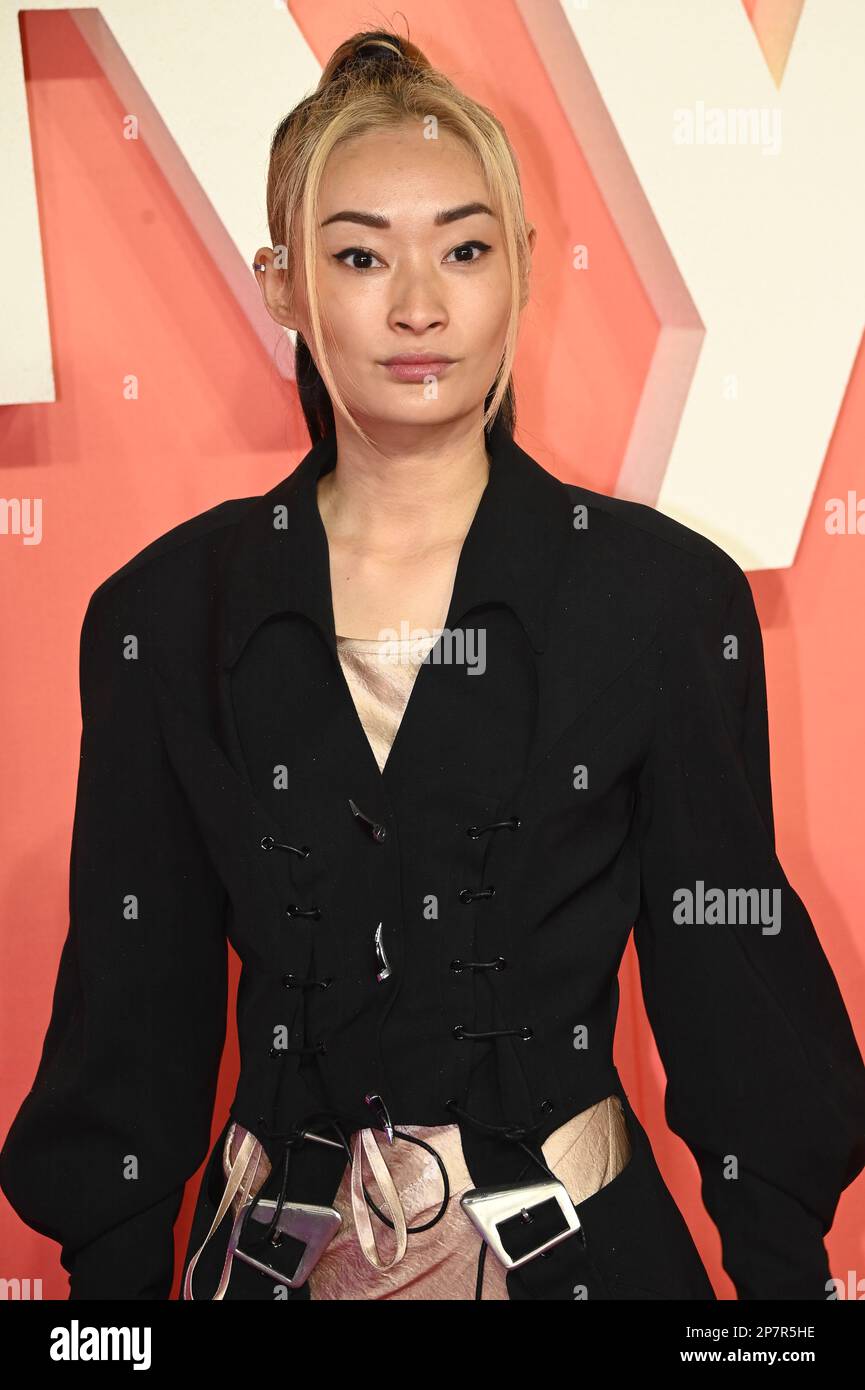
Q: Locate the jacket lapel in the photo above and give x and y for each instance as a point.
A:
(278, 567)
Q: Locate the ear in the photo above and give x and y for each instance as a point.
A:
(272, 280)
(531, 237)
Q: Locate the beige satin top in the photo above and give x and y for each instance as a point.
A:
(380, 676)
(366, 1259)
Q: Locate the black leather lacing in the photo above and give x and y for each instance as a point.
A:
(411, 1230)
(468, 895)
(514, 1133)
(297, 1132)
(512, 823)
(498, 964)
(294, 1136)
(297, 1135)
(290, 1139)
(268, 842)
(525, 1031)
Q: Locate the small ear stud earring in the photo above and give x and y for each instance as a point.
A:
(258, 265)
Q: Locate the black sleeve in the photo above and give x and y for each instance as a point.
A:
(765, 1081)
(119, 1114)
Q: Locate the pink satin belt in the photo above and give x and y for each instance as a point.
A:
(585, 1153)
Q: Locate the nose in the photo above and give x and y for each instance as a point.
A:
(417, 304)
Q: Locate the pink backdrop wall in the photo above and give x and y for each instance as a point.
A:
(131, 290)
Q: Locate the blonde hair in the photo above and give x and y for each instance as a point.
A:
(372, 80)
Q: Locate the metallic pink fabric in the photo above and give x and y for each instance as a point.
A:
(586, 1153)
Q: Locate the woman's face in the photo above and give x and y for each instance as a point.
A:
(409, 264)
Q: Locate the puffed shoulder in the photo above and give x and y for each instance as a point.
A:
(694, 576)
(192, 534)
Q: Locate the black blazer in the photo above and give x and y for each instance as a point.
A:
(585, 752)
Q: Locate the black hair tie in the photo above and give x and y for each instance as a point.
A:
(380, 45)
(381, 48)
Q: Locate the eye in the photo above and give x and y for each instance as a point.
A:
(355, 251)
(480, 246)
(346, 256)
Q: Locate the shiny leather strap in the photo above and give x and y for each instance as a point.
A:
(240, 1180)
(240, 1184)
(365, 1141)
(583, 1153)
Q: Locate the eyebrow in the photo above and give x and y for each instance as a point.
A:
(377, 219)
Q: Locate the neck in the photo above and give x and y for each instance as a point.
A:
(417, 491)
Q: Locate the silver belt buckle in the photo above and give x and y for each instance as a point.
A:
(314, 1226)
(504, 1216)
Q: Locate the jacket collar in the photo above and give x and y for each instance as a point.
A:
(278, 561)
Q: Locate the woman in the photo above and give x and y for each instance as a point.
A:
(429, 848)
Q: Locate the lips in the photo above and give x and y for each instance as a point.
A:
(413, 368)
